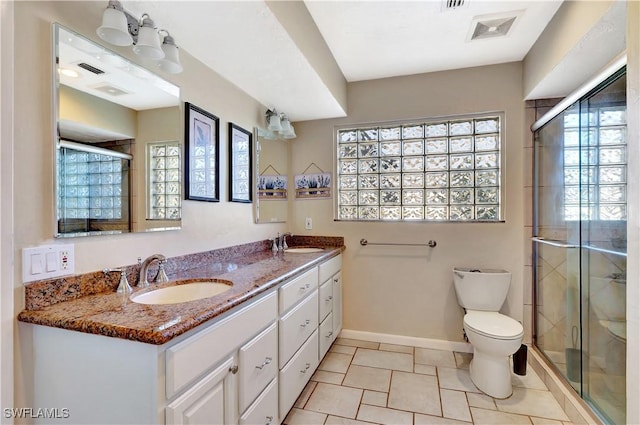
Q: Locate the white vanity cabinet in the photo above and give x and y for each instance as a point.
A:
(246, 367)
(198, 379)
(330, 303)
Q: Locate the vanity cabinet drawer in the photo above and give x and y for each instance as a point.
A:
(325, 336)
(296, 326)
(298, 288)
(258, 361)
(297, 373)
(325, 299)
(330, 267)
(190, 358)
(265, 409)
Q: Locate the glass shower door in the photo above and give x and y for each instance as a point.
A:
(580, 246)
(604, 246)
(556, 245)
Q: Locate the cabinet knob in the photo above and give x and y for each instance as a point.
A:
(330, 297)
(234, 369)
(329, 334)
(307, 366)
(269, 419)
(306, 322)
(335, 280)
(266, 361)
(305, 287)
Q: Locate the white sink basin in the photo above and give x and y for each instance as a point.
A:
(304, 250)
(182, 293)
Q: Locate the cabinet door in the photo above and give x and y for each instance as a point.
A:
(210, 401)
(325, 299)
(337, 304)
(325, 336)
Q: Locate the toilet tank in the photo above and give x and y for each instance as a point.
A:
(481, 289)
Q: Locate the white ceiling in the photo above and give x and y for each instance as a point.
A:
(377, 39)
(246, 43)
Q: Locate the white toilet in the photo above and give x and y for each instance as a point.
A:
(494, 336)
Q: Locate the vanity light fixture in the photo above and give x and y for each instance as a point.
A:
(278, 126)
(171, 61)
(287, 129)
(273, 120)
(122, 29)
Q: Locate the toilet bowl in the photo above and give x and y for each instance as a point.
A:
(494, 338)
(493, 335)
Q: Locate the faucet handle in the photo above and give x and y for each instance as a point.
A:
(123, 287)
(162, 275)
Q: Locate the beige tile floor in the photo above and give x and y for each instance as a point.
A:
(362, 382)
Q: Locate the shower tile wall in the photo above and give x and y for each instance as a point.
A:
(534, 110)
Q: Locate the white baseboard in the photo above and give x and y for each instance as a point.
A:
(436, 344)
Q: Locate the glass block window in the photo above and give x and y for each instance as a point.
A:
(595, 164)
(444, 170)
(91, 187)
(164, 177)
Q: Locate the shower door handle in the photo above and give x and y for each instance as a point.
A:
(557, 244)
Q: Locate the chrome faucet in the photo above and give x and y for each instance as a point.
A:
(283, 241)
(144, 267)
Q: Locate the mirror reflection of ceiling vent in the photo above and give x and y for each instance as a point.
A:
(489, 26)
(90, 68)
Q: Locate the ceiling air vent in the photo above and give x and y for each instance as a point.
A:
(90, 68)
(490, 26)
(452, 4)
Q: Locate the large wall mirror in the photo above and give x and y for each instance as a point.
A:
(271, 171)
(118, 142)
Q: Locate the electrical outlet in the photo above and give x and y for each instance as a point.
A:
(47, 261)
(308, 223)
(64, 259)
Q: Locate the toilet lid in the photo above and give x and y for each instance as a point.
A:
(493, 324)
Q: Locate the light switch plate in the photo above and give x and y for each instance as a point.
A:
(308, 223)
(47, 261)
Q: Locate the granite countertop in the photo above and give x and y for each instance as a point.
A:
(112, 314)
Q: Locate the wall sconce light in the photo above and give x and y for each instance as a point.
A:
(278, 126)
(122, 29)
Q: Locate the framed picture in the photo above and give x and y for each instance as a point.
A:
(240, 176)
(202, 141)
(272, 186)
(312, 186)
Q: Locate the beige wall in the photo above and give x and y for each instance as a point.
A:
(409, 291)
(95, 112)
(569, 37)
(7, 316)
(154, 125)
(205, 225)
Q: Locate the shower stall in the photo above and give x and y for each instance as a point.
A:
(579, 243)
